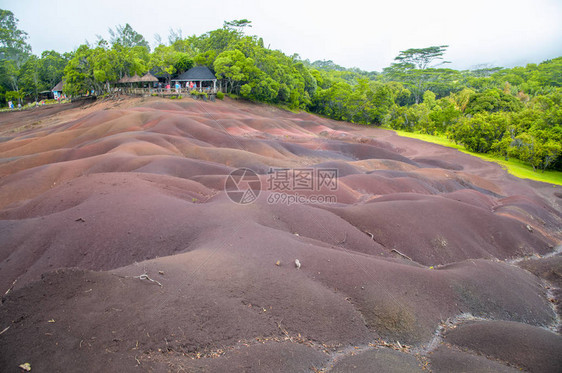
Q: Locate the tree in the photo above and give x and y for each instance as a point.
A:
(217, 41)
(332, 102)
(127, 60)
(381, 101)
(78, 76)
(105, 65)
(481, 132)
(206, 58)
(421, 58)
(413, 68)
(310, 85)
(157, 39)
(175, 36)
(183, 62)
(326, 65)
(166, 60)
(234, 68)
(443, 115)
(163, 59)
(266, 90)
(14, 50)
(188, 45)
(484, 70)
(238, 24)
(127, 37)
(13, 45)
(429, 99)
(30, 77)
(491, 101)
(51, 68)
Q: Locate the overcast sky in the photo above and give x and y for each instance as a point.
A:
(364, 34)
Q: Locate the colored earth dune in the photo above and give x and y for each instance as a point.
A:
(120, 249)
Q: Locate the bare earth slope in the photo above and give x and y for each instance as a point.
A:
(121, 251)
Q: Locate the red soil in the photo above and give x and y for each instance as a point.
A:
(96, 196)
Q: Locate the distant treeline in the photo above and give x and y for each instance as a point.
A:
(513, 112)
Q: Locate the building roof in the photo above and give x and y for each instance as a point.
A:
(197, 73)
(135, 79)
(59, 87)
(148, 77)
(124, 79)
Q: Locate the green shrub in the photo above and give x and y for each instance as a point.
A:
(220, 95)
(197, 94)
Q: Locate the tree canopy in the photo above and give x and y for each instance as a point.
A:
(421, 58)
(14, 52)
(127, 37)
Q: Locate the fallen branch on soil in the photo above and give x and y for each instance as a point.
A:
(344, 240)
(402, 255)
(5, 330)
(284, 331)
(11, 287)
(144, 276)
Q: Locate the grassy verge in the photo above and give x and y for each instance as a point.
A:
(32, 105)
(513, 166)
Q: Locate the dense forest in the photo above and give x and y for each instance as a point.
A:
(512, 112)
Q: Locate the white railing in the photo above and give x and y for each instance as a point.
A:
(171, 91)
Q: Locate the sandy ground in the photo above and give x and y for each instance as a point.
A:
(120, 249)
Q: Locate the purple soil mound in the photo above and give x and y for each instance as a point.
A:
(261, 357)
(438, 163)
(550, 269)
(447, 359)
(140, 325)
(435, 230)
(365, 151)
(120, 248)
(384, 360)
(532, 348)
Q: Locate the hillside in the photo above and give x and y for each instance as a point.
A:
(120, 248)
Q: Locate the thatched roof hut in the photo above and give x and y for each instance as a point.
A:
(149, 78)
(125, 79)
(135, 79)
(59, 87)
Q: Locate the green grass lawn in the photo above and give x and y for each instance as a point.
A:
(513, 166)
